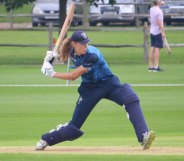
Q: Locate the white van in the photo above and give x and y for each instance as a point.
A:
(122, 11)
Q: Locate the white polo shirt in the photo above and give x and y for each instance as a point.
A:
(155, 14)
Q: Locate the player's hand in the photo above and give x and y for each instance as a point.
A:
(47, 69)
(163, 35)
(55, 55)
(50, 55)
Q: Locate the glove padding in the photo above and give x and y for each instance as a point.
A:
(47, 69)
(50, 55)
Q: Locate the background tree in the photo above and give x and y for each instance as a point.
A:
(14, 4)
(62, 12)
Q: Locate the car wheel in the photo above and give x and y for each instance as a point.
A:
(42, 24)
(74, 23)
(105, 23)
(92, 23)
(80, 23)
(133, 23)
(34, 24)
(168, 22)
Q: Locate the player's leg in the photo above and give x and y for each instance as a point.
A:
(151, 53)
(156, 58)
(90, 95)
(61, 133)
(135, 114)
(126, 96)
(158, 46)
(71, 131)
(151, 59)
(83, 108)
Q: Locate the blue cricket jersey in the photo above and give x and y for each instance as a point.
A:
(98, 69)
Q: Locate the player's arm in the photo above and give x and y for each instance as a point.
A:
(71, 75)
(47, 69)
(87, 63)
(161, 25)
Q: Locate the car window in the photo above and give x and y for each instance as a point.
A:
(101, 2)
(124, 1)
(117, 1)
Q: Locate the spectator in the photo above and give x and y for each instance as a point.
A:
(156, 35)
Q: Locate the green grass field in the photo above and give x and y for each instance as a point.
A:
(28, 112)
(22, 157)
(41, 108)
(30, 55)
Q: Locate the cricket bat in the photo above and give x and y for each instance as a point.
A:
(65, 28)
(168, 49)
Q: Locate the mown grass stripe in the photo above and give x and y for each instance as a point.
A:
(75, 85)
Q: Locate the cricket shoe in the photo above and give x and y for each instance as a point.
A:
(41, 145)
(148, 138)
(157, 69)
(150, 69)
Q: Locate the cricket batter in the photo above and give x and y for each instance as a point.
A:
(98, 82)
(156, 35)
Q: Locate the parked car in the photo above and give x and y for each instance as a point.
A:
(42, 7)
(173, 11)
(106, 13)
(166, 11)
(45, 11)
(178, 12)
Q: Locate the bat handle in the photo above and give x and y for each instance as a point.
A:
(54, 50)
(51, 61)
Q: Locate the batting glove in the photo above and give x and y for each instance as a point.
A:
(50, 55)
(47, 69)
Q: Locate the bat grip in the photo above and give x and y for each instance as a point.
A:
(51, 61)
(54, 50)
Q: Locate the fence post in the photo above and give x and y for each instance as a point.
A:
(136, 17)
(68, 70)
(50, 35)
(11, 18)
(146, 42)
(85, 15)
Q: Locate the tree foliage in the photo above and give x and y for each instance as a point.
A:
(14, 4)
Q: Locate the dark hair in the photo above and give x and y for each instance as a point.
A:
(155, 2)
(64, 50)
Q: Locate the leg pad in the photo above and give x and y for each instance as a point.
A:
(65, 133)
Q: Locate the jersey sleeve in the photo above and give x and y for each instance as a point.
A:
(160, 16)
(89, 60)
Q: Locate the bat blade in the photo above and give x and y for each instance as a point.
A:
(166, 44)
(65, 27)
